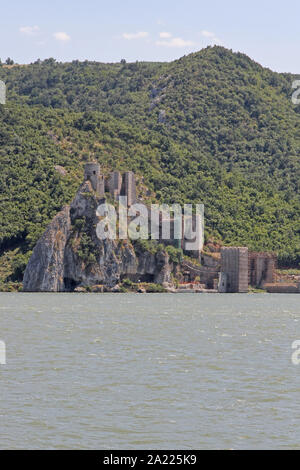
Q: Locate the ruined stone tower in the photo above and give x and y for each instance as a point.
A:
(234, 269)
(128, 188)
(115, 184)
(261, 268)
(92, 173)
(122, 185)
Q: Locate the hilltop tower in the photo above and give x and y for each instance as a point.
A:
(115, 184)
(92, 173)
(128, 187)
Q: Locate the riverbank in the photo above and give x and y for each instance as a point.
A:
(289, 277)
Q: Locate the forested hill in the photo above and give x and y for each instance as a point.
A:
(212, 127)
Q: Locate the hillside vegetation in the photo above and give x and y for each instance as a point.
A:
(212, 127)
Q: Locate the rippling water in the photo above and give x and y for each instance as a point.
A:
(154, 371)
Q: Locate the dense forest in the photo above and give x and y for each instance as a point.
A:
(212, 127)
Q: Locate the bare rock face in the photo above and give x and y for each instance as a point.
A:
(69, 255)
(45, 270)
(156, 265)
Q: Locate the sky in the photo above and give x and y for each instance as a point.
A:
(152, 30)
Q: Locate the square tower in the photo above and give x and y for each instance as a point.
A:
(128, 187)
(92, 173)
(115, 184)
(234, 268)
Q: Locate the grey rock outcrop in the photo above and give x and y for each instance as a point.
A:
(69, 255)
(45, 270)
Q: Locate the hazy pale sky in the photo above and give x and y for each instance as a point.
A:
(154, 30)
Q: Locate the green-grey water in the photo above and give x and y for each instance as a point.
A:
(154, 371)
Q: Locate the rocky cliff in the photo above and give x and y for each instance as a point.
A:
(69, 254)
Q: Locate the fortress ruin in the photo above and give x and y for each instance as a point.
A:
(115, 184)
(232, 270)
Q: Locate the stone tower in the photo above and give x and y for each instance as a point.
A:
(128, 188)
(115, 184)
(234, 268)
(261, 268)
(92, 173)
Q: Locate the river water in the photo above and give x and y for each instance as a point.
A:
(153, 371)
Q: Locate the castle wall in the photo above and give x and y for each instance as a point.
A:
(128, 188)
(115, 184)
(261, 268)
(101, 186)
(183, 243)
